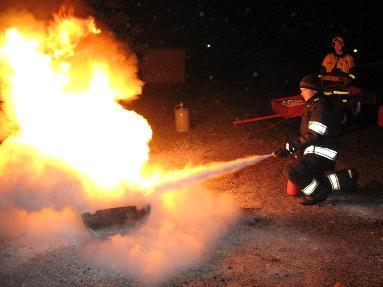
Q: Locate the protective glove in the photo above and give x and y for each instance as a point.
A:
(282, 152)
(289, 148)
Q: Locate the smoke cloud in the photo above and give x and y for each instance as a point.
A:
(182, 227)
(42, 203)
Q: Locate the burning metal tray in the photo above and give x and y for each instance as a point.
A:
(118, 220)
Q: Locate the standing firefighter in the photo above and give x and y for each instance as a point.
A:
(337, 72)
(313, 173)
(338, 69)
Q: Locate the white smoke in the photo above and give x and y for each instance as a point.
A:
(174, 238)
(42, 203)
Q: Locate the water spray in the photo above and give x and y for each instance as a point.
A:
(201, 173)
(121, 219)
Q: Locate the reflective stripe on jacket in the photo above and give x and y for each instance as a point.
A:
(320, 127)
(322, 151)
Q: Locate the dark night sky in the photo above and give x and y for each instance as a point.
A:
(280, 40)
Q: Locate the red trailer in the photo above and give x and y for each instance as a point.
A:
(289, 107)
(293, 106)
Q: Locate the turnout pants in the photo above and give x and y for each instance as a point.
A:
(314, 174)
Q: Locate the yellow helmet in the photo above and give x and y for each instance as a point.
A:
(338, 39)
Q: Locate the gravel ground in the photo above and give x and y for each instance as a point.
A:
(274, 241)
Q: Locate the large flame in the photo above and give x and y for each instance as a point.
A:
(60, 84)
(71, 147)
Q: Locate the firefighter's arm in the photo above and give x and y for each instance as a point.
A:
(352, 74)
(326, 65)
(286, 150)
(322, 72)
(317, 128)
(298, 144)
(322, 68)
(307, 139)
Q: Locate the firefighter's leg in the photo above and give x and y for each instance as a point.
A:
(298, 172)
(317, 194)
(307, 174)
(338, 95)
(344, 180)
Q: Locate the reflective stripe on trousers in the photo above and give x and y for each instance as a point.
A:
(311, 187)
(334, 181)
(341, 180)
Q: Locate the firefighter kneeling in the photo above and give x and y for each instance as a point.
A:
(313, 172)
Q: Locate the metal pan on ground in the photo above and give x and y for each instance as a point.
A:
(112, 221)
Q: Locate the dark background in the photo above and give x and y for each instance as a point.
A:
(264, 42)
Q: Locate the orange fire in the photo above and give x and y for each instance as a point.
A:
(60, 84)
(71, 147)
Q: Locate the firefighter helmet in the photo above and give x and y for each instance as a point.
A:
(338, 39)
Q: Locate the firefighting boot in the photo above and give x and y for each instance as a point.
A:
(320, 194)
(353, 185)
(344, 180)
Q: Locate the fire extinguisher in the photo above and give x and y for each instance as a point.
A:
(181, 117)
